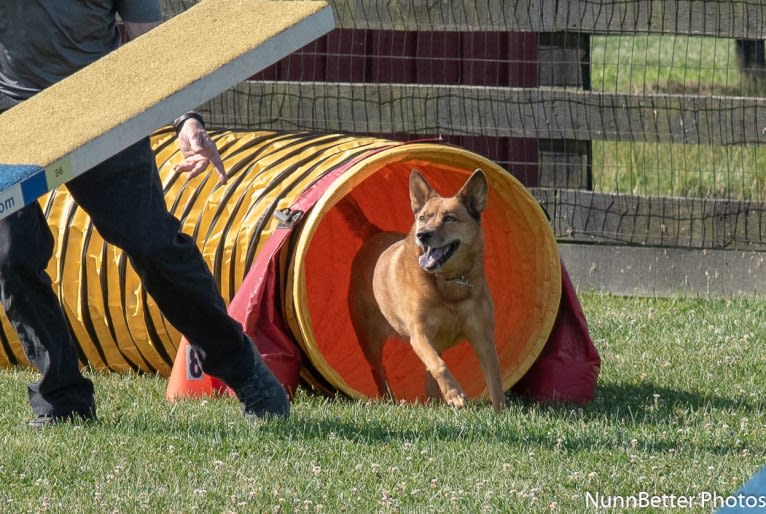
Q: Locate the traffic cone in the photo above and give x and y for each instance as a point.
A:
(187, 380)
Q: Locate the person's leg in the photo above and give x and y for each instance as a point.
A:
(125, 201)
(26, 246)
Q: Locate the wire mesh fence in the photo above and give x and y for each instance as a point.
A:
(634, 121)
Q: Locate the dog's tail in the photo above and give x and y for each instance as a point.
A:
(355, 218)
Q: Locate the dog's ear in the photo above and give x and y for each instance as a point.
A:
(420, 191)
(473, 194)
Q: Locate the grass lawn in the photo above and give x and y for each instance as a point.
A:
(679, 411)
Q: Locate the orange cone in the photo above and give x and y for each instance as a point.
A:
(187, 380)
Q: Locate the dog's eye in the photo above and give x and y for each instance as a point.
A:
(449, 218)
(421, 218)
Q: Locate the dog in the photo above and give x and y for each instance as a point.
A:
(427, 287)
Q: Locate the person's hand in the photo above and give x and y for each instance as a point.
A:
(198, 150)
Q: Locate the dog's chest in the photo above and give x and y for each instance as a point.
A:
(446, 322)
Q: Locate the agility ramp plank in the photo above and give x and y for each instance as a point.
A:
(86, 118)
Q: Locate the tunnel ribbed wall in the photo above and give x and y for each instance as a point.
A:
(118, 327)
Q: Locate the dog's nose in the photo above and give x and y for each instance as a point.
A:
(424, 236)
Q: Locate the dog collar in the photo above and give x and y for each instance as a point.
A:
(461, 281)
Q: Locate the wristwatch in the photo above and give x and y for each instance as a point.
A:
(179, 122)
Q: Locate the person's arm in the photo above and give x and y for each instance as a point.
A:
(133, 29)
(196, 146)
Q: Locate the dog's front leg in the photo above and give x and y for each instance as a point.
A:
(490, 368)
(486, 352)
(451, 391)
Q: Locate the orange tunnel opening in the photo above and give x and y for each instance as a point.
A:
(521, 263)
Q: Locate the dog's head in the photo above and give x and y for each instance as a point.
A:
(448, 230)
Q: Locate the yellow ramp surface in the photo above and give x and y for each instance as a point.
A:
(93, 114)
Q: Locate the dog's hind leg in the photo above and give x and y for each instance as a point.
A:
(369, 326)
(373, 352)
(432, 388)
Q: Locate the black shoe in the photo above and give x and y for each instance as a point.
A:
(262, 395)
(46, 420)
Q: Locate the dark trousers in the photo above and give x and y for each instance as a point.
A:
(123, 196)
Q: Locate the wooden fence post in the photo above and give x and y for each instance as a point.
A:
(564, 61)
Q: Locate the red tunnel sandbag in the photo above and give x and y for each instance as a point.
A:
(568, 367)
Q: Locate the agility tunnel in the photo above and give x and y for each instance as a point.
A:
(118, 327)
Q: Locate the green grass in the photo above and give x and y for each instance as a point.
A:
(699, 171)
(679, 410)
(678, 65)
(643, 63)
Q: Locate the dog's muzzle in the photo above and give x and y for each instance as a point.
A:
(432, 257)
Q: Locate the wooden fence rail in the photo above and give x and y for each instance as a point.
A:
(495, 112)
(538, 100)
(732, 19)
(737, 19)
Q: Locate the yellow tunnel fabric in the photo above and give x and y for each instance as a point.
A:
(118, 327)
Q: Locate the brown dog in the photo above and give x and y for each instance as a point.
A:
(427, 287)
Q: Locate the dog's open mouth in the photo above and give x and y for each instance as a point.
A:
(434, 258)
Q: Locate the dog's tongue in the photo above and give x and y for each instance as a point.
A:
(430, 259)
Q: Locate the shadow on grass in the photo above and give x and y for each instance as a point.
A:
(623, 417)
(611, 399)
(644, 414)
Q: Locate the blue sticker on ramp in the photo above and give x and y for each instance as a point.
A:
(12, 174)
(20, 185)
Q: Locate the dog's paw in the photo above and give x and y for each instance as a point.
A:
(455, 398)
